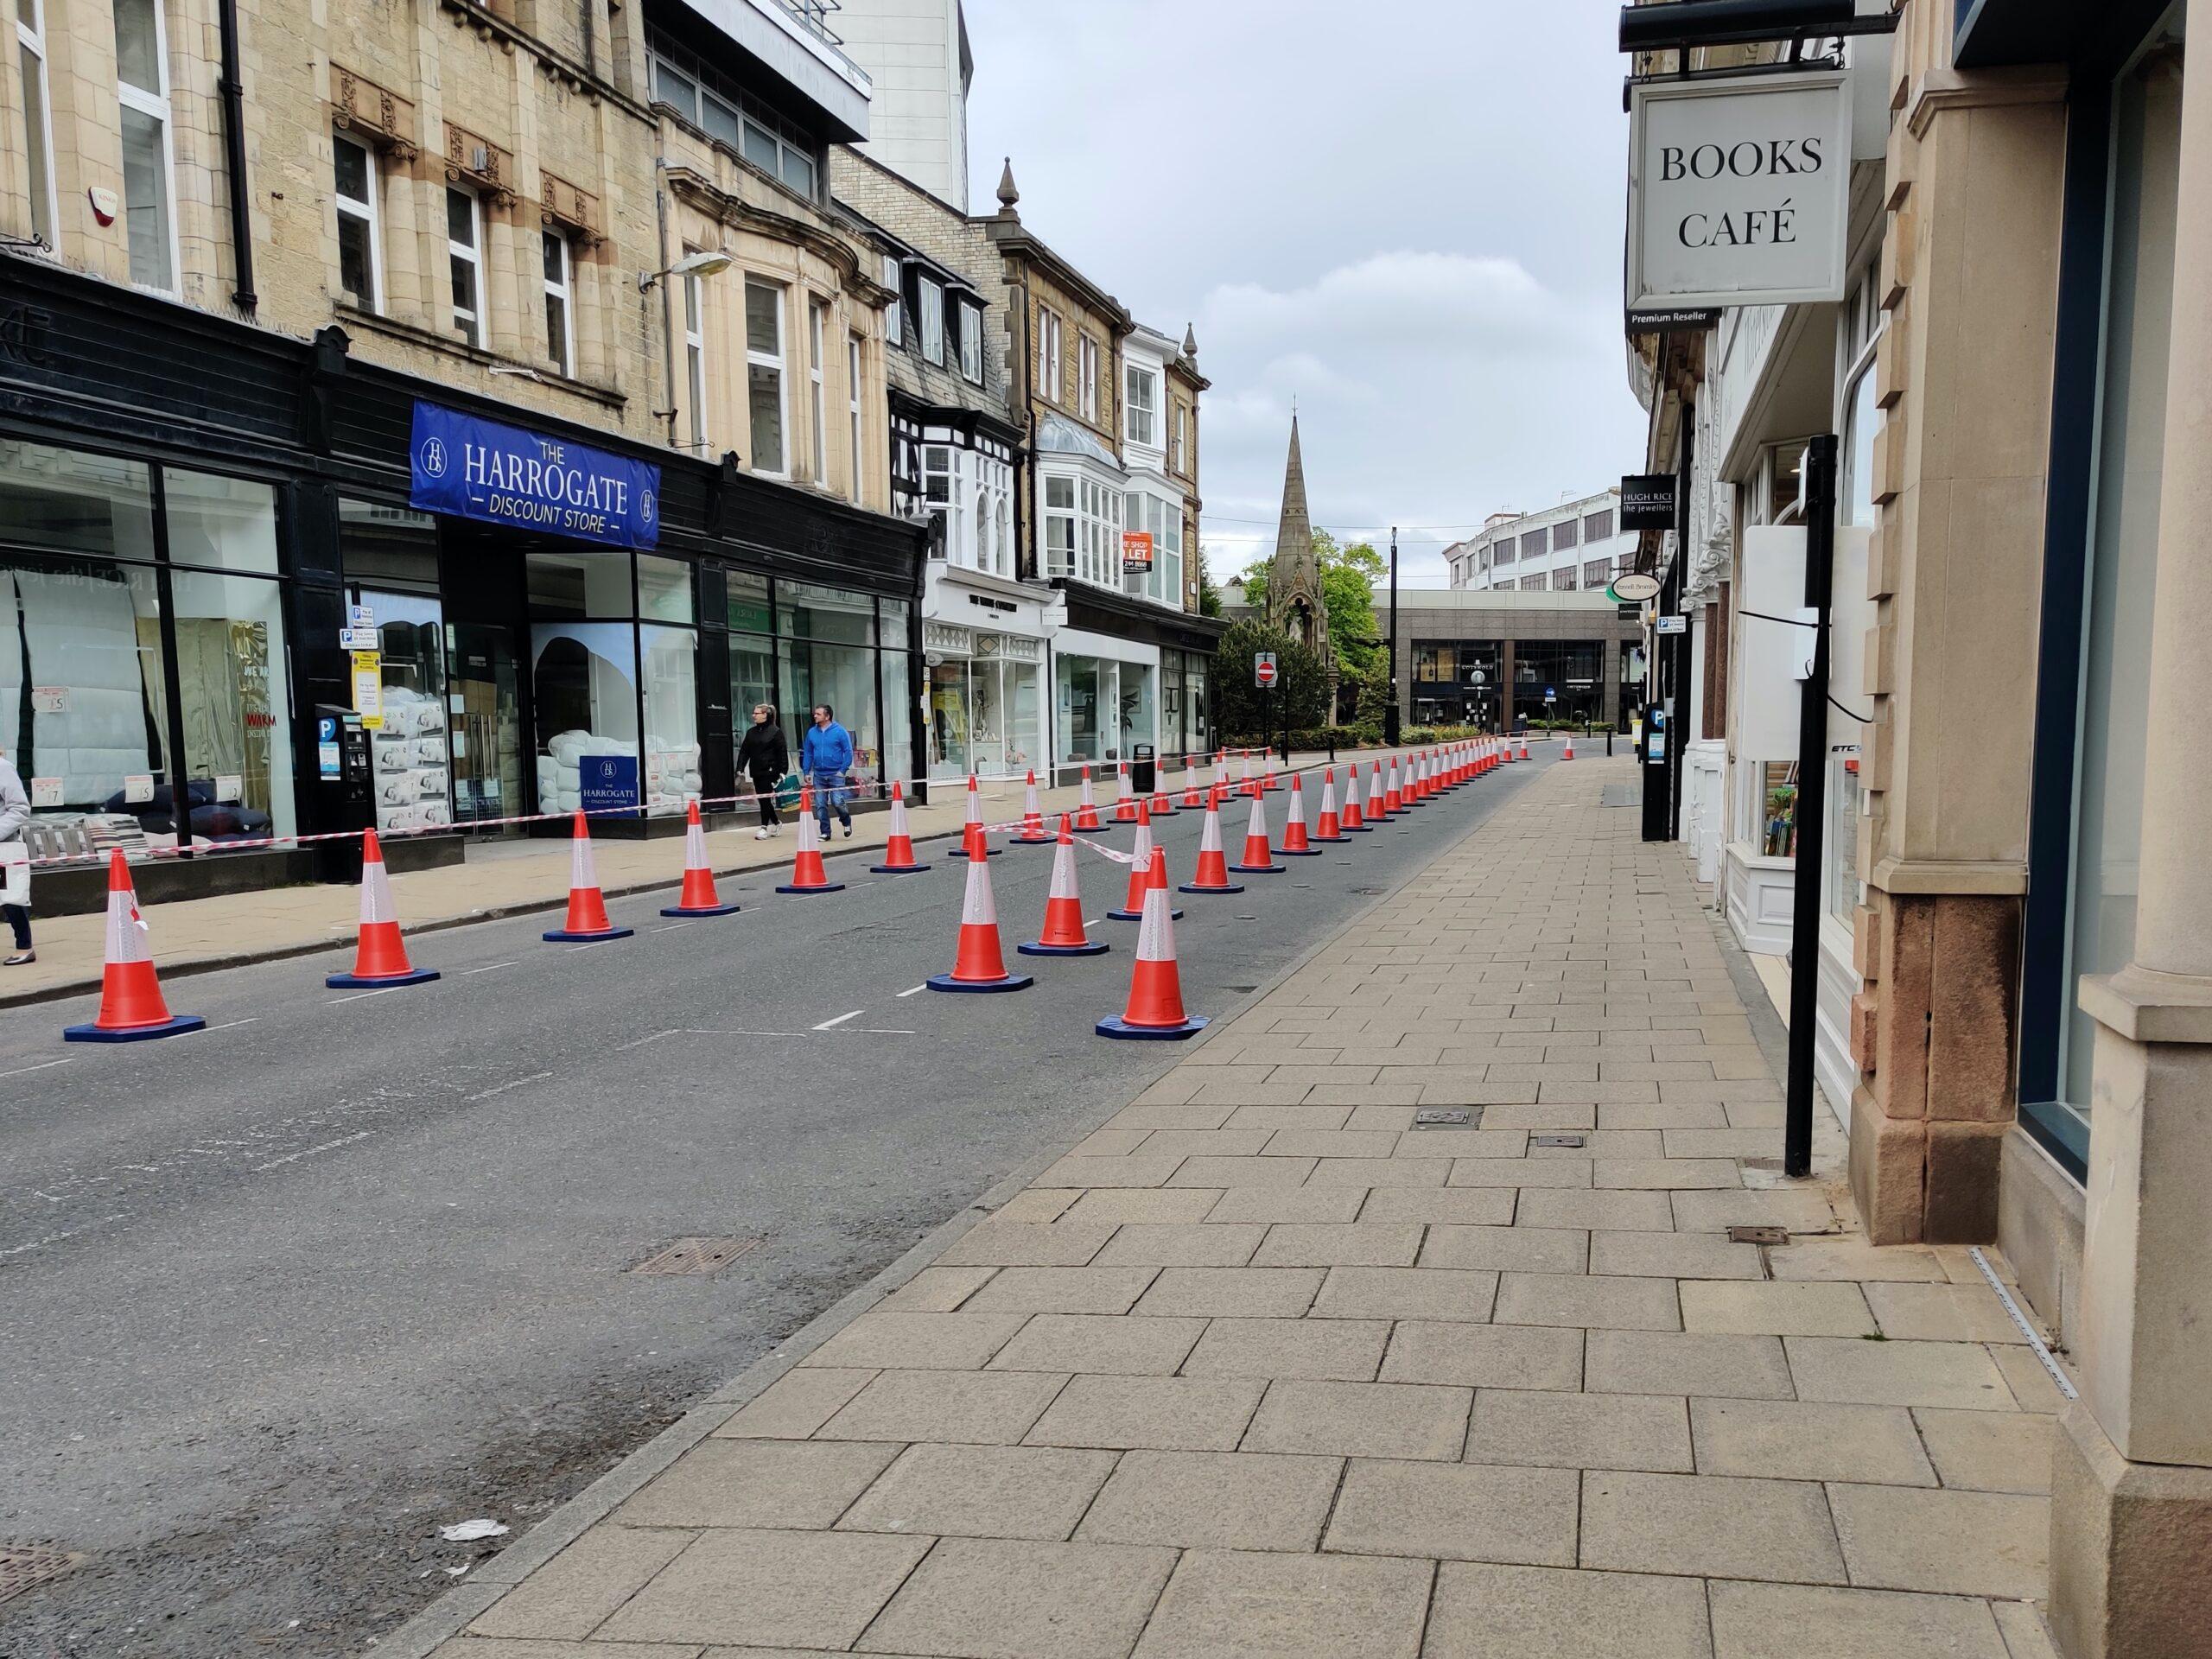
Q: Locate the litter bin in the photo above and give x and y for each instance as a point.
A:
(1142, 769)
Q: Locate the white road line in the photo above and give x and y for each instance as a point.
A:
(641, 1041)
(333, 1002)
(671, 928)
(911, 989)
(880, 1030)
(828, 1024)
(501, 1089)
(41, 1067)
(327, 1145)
(56, 1238)
(488, 968)
(228, 1024)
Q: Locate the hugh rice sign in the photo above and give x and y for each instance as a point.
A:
(1739, 191)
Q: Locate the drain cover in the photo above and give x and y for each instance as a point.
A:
(23, 1565)
(1556, 1141)
(697, 1255)
(1441, 1117)
(1758, 1235)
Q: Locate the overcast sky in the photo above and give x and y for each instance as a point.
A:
(1407, 216)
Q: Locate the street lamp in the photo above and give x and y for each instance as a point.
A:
(708, 262)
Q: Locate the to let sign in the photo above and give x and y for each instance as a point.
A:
(1263, 669)
(1137, 552)
(1739, 191)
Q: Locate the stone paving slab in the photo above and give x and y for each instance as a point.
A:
(1256, 1368)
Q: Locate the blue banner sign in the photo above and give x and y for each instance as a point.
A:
(474, 469)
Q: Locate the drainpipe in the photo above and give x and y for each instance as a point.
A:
(667, 306)
(232, 87)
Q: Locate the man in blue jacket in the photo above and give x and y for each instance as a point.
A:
(826, 758)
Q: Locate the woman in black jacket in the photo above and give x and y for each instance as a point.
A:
(765, 758)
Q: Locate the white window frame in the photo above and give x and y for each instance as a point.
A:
(818, 350)
(30, 41)
(155, 102)
(853, 407)
(930, 304)
(894, 314)
(695, 359)
(759, 360)
(971, 341)
(467, 322)
(561, 352)
(1061, 561)
(1148, 406)
(369, 212)
(1086, 376)
(1048, 354)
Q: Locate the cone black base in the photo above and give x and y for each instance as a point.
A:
(1117, 1027)
(1093, 948)
(172, 1027)
(1033, 841)
(1360, 829)
(377, 982)
(961, 852)
(1090, 829)
(1258, 869)
(703, 910)
(1173, 915)
(1298, 852)
(897, 869)
(1231, 886)
(1011, 982)
(562, 936)
(826, 887)
(1333, 840)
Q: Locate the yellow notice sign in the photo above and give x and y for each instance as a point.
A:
(368, 688)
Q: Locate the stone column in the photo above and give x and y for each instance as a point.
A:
(2132, 1486)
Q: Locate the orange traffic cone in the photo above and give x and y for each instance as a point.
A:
(131, 1008)
(1524, 746)
(1568, 754)
(1086, 811)
(1064, 934)
(1141, 852)
(1393, 794)
(1034, 832)
(1353, 817)
(1154, 1010)
(974, 842)
(1161, 806)
(1258, 861)
(808, 875)
(897, 842)
(1296, 842)
(1377, 808)
(1194, 798)
(1221, 769)
(380, 954)
(979, 964)
(1328, 826)
(587, 921)
(1212, 874)
(698, 897)
(1244, 785)
(1270, 781)
(1125, 804)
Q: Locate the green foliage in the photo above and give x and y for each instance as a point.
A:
(1347, 579)
(1241, 707)
(1366, 698)
(1209, 595)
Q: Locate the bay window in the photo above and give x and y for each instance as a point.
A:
(1059, 526)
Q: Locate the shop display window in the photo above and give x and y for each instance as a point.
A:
(843, 678)
(897, 710)
(415, 750)
(236, 705)
(584, 688)
(664, 590)
(584, 583)
(67, 501)
(225, 523)
(671, 659)
(1076, 684)
(951, 721)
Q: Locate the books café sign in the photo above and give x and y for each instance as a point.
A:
(1739, 191)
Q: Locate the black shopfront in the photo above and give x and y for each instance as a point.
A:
(202, 524)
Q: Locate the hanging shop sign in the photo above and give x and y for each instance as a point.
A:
(1739, 191)
(474, 469)
(1137, 552)
(1631, 588)
(1648, 501)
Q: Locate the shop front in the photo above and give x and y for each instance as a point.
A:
(1127, 673)
(986, 701)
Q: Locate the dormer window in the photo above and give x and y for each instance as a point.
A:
(929, 309)
(971, 341)
(894, 314)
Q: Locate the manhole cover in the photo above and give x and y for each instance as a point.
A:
(23, 1565)
(1441, 1117)
(697, 1255)
(1556, 1141)
(1744, 1235)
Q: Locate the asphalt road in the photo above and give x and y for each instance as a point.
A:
(279, 1299)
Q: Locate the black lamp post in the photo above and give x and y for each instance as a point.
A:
(1390, 727)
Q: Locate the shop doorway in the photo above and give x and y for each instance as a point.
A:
(486, 720)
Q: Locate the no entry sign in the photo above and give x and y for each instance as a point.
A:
(1263, 669)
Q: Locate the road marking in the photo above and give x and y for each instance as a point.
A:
(911, 989)
(385, 991)
(228, 1024)
(671, 928)
(828, 1024)
(880, 1030)
(502, 1088)
(488, 968)
(641, 1041)
(327, 1145)
(41, 1067)
(725, 1031)
(56, 1238)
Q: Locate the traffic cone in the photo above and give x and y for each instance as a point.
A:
(1221, 769)
(974, 841)
(1270, 781)
(1257, 858)
(1328, 828)
(1353, 817)
(698, 897)
(807, 875)
(1568, 754)
(587, 920)
(1160, 805)
(380, 954)
(1524, 746)
(1212, 874)
(1296, 842)
(897, 845)
(1393, 794)
(1376, 799)
(1125, 804)
(1244, 772)
(979, 964)
(1064, 934)
(1154, 1009)
(131, 1008)
(1086, 813)
(1194, 798)
(1140, 851)
(1034, 832)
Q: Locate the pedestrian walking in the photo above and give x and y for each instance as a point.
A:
(826, 757)
(764, 757)
(15, 813)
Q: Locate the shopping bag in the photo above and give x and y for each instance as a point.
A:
(14, 873)
(787, 793)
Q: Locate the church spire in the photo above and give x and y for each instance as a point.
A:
(1294, 577)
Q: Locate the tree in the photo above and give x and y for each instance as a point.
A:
(1209, 595)
(1347, 579)
(1243, 709)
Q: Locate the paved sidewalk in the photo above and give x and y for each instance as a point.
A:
(1260, 1368)
(498, 879)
